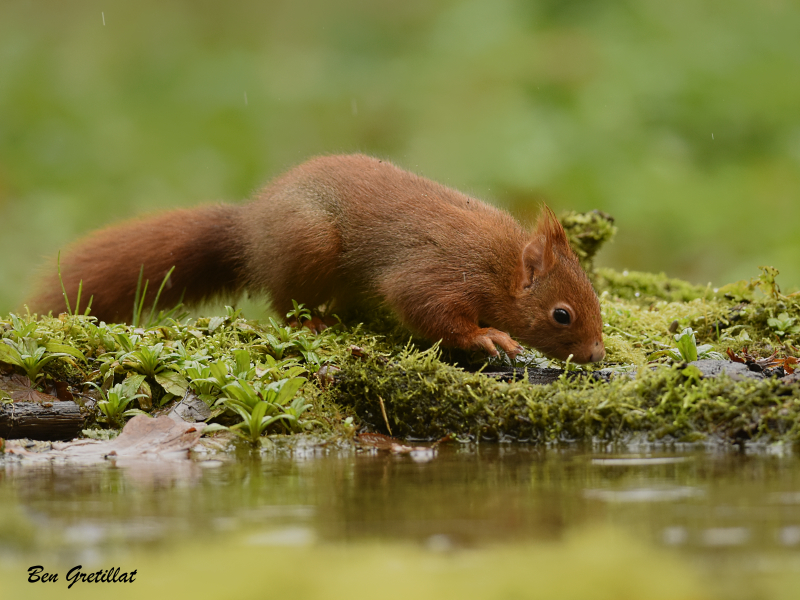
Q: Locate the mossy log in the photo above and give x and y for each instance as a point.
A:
(421, 398)
(48, 421)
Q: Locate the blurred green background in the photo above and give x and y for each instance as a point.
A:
(681, 119)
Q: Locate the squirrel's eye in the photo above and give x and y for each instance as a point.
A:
(561, 316)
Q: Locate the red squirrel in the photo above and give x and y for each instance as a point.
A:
(348, 229)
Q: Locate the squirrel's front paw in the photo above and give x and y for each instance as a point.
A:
(489, 337)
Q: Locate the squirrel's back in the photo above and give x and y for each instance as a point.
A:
(377, 229)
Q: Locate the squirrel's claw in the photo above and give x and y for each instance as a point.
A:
(488, 338)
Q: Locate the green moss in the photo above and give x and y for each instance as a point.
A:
(587, 232)
(424, 398)
(644, 287)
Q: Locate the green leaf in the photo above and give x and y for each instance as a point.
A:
(686, 344)
(172, 382)
(135, 411)
(132, 384)
(166, 398)
(270, 420)
(289, 389)
(214, 427)
(64, 349)
(10, 355)
(214, 323)
(242, 358)
(256, 417)
(219, 372)
(242, 411)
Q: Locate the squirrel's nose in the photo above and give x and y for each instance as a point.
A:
(598, 352)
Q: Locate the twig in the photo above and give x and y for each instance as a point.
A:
(385, 418)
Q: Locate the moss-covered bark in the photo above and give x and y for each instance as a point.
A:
(424, 398)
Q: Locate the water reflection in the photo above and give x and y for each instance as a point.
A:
(467, 496)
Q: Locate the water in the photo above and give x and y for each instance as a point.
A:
(721, 524)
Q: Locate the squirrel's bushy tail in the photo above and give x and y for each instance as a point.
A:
(201, 243)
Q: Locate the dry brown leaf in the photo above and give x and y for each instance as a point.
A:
(393, 445)
(142, 438)
(20, 389)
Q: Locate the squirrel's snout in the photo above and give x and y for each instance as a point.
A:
(598, 352)
(589, 353)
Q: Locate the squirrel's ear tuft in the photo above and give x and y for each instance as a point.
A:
(549, 227)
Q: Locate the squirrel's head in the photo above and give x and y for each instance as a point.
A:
(559, 313)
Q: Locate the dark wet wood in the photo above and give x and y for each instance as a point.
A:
(541, 376)
(40, 421)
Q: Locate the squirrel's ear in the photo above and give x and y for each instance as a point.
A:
(538, 257)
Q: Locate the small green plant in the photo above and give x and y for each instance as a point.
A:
(299, 313)
(100, 336)
(308, 347)
(256, 413)
(209, 381)
(242, 367)
(295, 410)
(118, 344)
(275, 370)
(181, 356)
(261, 405)
(784, 325)
(281, 340)
(231, 315)
(200, 381)
(21, 328)
(31, 357)
(114, 403)
(686, 349)
(153, 361)
(147, 360)
(127, 343)
(219, 374)
(767, 283)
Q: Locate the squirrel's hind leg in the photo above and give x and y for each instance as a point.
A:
(301, 264)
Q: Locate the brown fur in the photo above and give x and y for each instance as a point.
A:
(350, 228)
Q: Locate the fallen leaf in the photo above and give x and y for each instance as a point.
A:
(190, 409)
(172, 382)
(395, 446)
(754, 360)
(142, 438)
(732, 355)
(789, 364)
(20, 389)
(376, 440)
